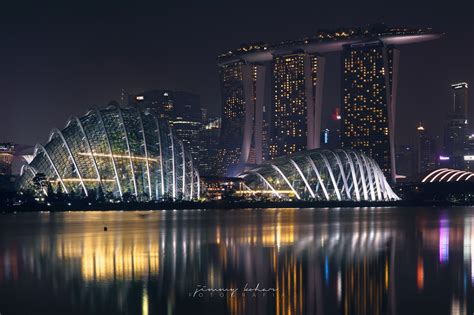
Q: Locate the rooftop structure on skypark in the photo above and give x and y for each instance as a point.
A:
(326, 41)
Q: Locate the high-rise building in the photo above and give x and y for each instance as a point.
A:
(460, 100)
(188, 131)
(425, 148)
(455, 139)
(369, 83)
(296, 110)
(168, 104)
(242, 89)
(469, 157)
(405, 157)
(208, 144)
(456, 128)
(184, 113)
(272, 95)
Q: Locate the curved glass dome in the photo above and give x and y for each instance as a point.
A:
(321, 174)
(442, 175)
(126, 151)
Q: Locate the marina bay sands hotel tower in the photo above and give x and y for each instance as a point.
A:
(272, 95)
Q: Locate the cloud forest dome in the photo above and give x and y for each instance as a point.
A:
(126, 151)
(323, 175)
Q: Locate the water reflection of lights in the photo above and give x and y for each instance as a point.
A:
(420, 274)
(443, 241)
(468, 245)
(145, 302)
(350, 263)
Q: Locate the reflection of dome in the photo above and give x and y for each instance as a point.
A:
(321, 174)
(123, 150)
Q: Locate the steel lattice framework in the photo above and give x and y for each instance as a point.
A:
(321, 174)
(122, 150)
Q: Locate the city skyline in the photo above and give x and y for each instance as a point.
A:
(297, 157)
(53, 81)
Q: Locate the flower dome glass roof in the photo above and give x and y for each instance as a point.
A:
(321, 174)
(123, 150)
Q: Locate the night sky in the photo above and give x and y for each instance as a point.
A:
(57, 61)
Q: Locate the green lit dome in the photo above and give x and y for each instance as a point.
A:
(122, 150)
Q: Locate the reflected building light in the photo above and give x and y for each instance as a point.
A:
(102, 258)
(471, 240)
(372, 234)
(443, 241)
(339, 286)
(218, 234)
(468, 245)
(458, 307)
(289, 285)
(420, 274)
(145, 303)
(326, 270)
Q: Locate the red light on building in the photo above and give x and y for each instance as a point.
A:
(336, 115)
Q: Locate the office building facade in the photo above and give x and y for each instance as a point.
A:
(169, 104)
(426, 151)
(457, 127)
(368, 101)
(242, 89)
(189, 121)
(296, 106)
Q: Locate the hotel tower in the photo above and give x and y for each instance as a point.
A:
(272, 95)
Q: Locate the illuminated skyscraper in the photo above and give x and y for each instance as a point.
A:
(460, 104)
(242, 88)
(456, 128)
(272, 95)
(405, 157)
(169, 104)
(184, 113)
(296, 110)
(425, 150)
(369, 83)
(208, 144)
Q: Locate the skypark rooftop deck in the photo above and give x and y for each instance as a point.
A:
(329, 41)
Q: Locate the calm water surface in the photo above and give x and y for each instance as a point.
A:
(300, 261)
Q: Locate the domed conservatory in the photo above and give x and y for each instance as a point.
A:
(122, 150)
(320, 174)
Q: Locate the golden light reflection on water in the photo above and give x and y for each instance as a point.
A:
(317, 267)
(112, 256)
